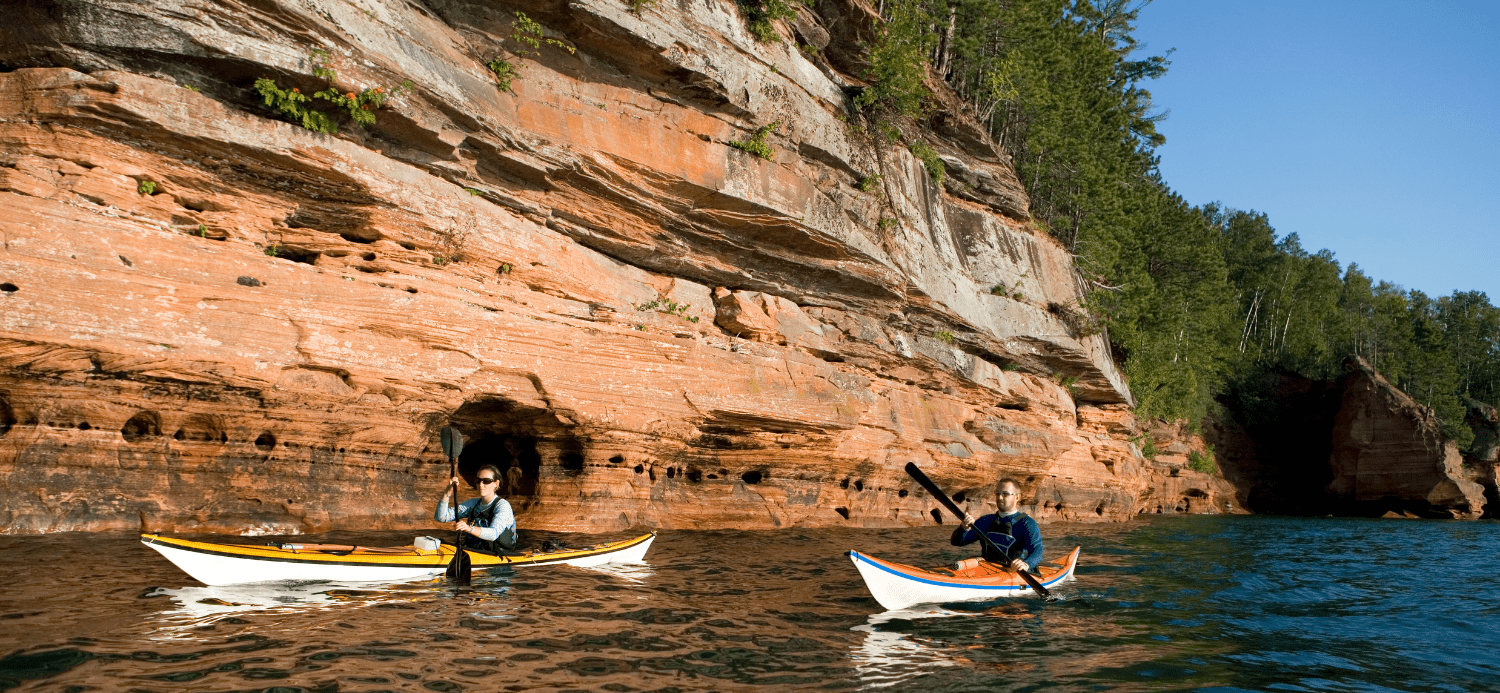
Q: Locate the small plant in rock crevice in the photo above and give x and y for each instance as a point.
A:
(669, 307)
(273, 250)
(308, 111)
(944, 336)
(1203, 463)
(887, 222)
(451, 242)
(930, 160)
(526, 39)
(505, 72)
(759, 15)
(638, 6)
(869, 183)
(756, 144)
(146, 187)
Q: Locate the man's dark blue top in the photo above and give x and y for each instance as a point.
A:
(1017, 534)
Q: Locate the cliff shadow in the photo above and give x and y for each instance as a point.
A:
(1288, 420)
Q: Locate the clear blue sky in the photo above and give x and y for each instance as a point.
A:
(1368, 128)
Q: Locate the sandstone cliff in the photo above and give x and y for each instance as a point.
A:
(217, 320)
(1356, 445)
(1390, 454)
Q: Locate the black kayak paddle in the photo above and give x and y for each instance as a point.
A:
(911, 468)
(459, 568)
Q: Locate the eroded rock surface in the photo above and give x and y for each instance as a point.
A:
(1389, 453)
(215, 320)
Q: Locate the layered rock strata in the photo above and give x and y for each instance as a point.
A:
(215, 320)
(1389, 453)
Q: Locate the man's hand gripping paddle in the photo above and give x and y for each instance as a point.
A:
(911, 468)
(459, 568)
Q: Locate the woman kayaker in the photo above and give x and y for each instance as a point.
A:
(487, 522)
(1010, 529)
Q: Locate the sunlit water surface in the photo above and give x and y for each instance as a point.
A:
(1165, 603)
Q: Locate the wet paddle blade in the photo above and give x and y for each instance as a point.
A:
(453, 441)
(460, 570)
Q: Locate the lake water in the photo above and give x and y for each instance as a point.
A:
(1161, 604)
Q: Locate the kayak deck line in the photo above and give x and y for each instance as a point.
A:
(225, 564)
(899, 586)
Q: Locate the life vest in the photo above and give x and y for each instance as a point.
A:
(999, 532)
(485, 517)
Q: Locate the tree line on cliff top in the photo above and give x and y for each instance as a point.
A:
(1201, 302)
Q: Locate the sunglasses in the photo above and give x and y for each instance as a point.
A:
(1007, 493)
(487, 480)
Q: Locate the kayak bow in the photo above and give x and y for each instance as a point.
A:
(231, 564)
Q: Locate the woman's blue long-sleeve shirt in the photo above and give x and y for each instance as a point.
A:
(504, 517)
(1017, 533)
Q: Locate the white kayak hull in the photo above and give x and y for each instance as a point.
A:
(897, 586)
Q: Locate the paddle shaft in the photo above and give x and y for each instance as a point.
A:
(459, 568)
(932, 488)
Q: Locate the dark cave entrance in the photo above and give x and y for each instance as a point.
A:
(520, 440)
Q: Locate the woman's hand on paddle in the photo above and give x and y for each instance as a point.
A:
(465, 527)
(1018, 565)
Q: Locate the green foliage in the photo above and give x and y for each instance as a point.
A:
(898, 60)
(505, 268)
(473, 191)
(929, 159)
(944, 336)
(760, 13)
(887, 222)
(190, 87)
(756, 144)
(146, 187)
(1148, 446)
(505, 72)
(1202, 463)
(1199, 302)
(669, 307)
(358, 107)
(638, 6)
(273, 250)
(869, 183)
(1069, 383)
(531, 36)
(203, 230)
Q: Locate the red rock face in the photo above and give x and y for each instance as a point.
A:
(1388, 452)
(214, 320)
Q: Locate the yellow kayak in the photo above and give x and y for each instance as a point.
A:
(231, 564)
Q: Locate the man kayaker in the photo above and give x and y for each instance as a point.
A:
(487, 522)
(1010, 529)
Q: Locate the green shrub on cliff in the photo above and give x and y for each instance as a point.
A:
(898, 60)
(359, 107)
(756, 144)
(760, 13)
(526, 39)
(1202, 463)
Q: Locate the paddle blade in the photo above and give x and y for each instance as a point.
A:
(448, 436)
(460, 570)
(932, 488)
